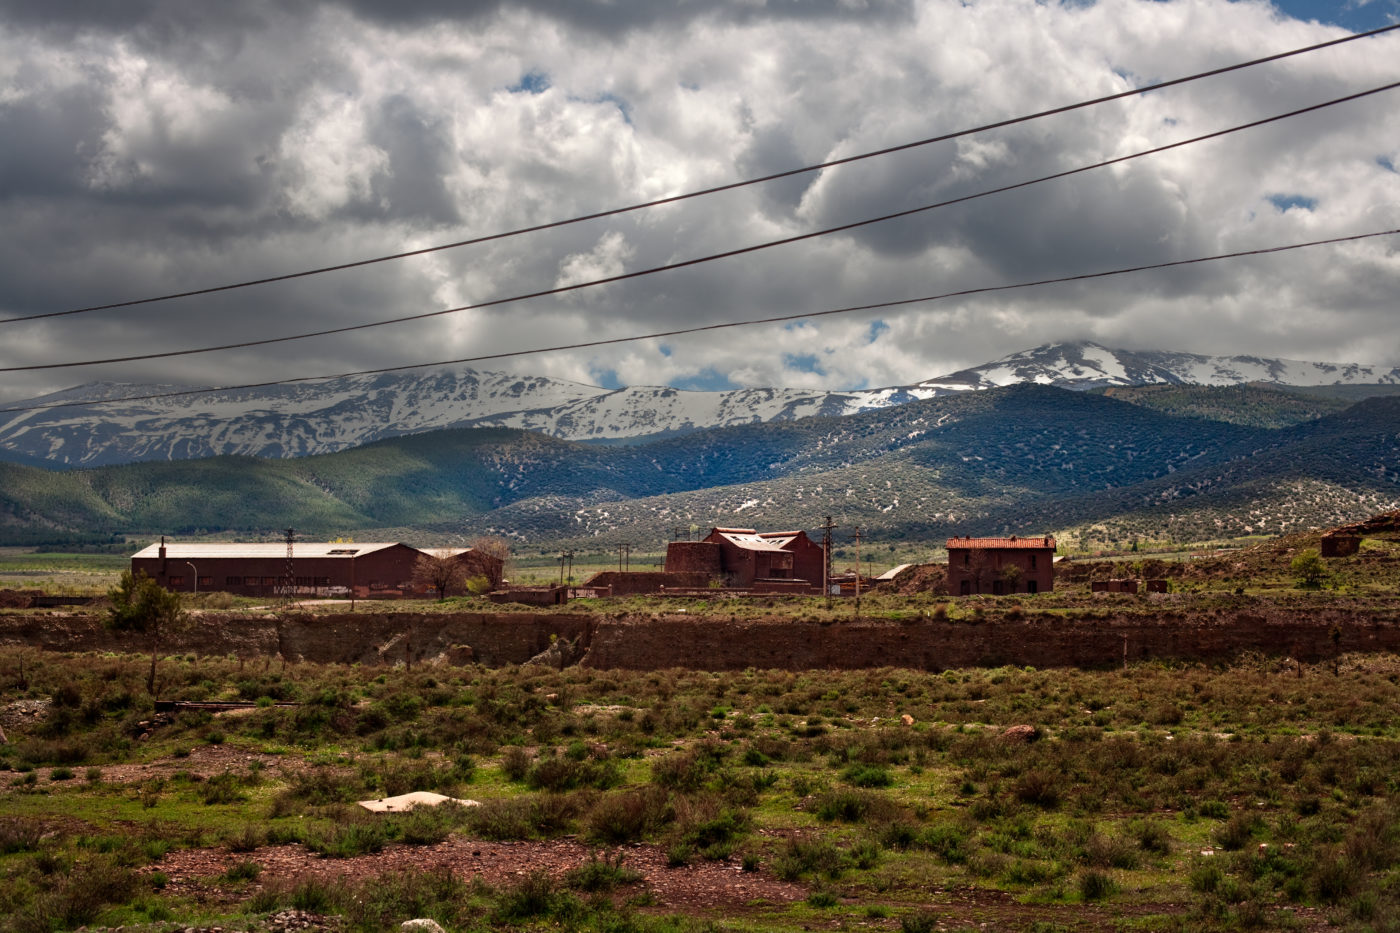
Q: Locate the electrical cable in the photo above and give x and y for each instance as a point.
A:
(875, 306)
(700, 259)
(717, 189)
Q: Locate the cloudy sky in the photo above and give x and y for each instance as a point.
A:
(157, 146)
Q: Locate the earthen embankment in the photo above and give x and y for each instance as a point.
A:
(711, 643)
(1041, 641)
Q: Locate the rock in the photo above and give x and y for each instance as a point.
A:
(559, 655)
(420, 925)
(907, 719)
(1020, 735)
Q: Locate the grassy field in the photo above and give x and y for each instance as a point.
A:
(1156, 797)
(66, 574)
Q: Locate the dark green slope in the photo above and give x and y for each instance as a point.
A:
(1250, 405)
(1027, 456)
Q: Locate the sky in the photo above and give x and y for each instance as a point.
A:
(159, 146)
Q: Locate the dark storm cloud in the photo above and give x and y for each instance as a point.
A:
(411, 186)
(156, 146)
(50, 143)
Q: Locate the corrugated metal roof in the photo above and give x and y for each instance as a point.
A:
(1000, 543)
(749, 541)
(214, 550)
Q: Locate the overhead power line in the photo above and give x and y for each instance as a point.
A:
(559, 290)
(717, 189)
(657, 335)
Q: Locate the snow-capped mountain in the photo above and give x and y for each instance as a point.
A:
(95, 427)
(1084, 365)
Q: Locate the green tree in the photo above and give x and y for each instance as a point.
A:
(1309, 569)
(143, 606)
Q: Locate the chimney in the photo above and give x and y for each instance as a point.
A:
(162, 554)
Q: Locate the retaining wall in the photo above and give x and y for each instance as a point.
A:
(722, 644)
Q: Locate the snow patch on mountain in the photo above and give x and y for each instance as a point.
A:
(160, 422)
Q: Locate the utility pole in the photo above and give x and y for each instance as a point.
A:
(290, 577)
(566, 555)
(624, 553)
(856, 538)
(827, 528)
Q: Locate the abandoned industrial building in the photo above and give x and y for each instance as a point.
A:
(365, 571)
(775, 561)
(1001, 566)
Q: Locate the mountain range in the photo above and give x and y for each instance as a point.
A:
(1025, 458)
(112, 423)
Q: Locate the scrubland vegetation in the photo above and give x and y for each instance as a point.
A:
(1156, 797)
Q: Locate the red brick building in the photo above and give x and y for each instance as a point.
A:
(371, 570)
(746, 559)
(1001, 565)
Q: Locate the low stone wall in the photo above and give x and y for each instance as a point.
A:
(639, 582)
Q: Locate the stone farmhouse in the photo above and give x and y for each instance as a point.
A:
(1001, 565)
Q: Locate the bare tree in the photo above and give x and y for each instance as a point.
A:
(979, 565)
(492, 558)
(441, 571)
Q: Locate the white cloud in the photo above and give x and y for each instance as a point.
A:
(266, 142)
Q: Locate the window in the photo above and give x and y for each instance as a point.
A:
(967, 559)
(1032, 561)
(206, 581)
(269, 581)
(250, 581)
(175, 581)
(233, 581)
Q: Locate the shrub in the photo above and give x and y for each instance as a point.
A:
(686, 770)
(809, 856)
(19, 835)
(1334, 878)
(346, 840)
(1206, 876)
(1095, 886)
(848, 806)
(515, 763)
(1038, 788)
(561, 773)
(1237, 832)
(948, 841)
(1152, 836)
(242, 871)
(601, 874)
(867, 776)
(533, 897)
(221, 789)
(629, 816)
(1103, 852)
